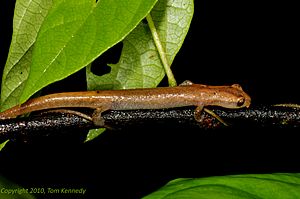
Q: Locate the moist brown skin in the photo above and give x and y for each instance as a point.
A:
(186, 94)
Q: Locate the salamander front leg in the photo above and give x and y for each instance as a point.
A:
(198, 114)
(97, 118)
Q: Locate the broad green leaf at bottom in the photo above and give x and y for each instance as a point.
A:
(248, 186)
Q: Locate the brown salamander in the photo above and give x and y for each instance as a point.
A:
(186, 94)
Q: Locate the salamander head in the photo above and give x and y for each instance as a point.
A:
(225, 96)
(238, 98)
(228, 96)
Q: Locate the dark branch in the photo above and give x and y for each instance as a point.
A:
(53, 123)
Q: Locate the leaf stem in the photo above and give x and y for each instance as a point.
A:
(161, 51)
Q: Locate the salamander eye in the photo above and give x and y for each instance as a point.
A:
(240, 101)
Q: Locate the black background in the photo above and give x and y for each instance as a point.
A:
(253, 43)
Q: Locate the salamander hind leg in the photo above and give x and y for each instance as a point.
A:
(67, 111)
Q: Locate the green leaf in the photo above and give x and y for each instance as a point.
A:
(9, 190)
(92, 134)
(28, 17)
(140, 65)
(76, 32)
(2, 145)
(249, 186)
(172, 20)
